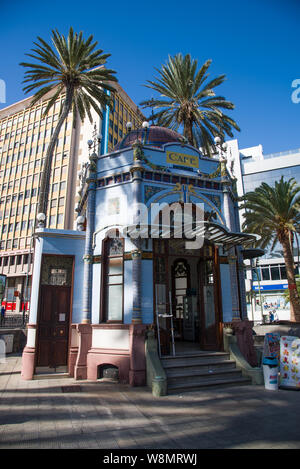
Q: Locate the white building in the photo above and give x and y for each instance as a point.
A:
(266, 281)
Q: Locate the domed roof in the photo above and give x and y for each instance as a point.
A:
(153, 135)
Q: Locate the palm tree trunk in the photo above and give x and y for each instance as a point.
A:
(289, 264)
(188, 131)
(45, 180)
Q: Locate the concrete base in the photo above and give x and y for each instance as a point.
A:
(85, 342)
(243, 331)
(28, 360)
(137, 373)
(72, 360)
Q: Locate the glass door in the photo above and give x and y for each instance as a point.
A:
(183, 305)
(208, 303)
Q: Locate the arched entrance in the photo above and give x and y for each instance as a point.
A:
(187, 284)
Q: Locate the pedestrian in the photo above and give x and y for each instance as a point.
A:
(2, 315)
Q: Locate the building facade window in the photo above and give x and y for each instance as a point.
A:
(112, 280)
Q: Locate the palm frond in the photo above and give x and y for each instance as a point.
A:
(74, 66)
(187, 98)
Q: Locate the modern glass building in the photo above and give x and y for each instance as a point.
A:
(266, 281)
(24, 137)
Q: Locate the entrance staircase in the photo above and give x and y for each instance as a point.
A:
(193, 371)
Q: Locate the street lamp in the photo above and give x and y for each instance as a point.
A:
(221, 147)
(41, 217)
(129, 126)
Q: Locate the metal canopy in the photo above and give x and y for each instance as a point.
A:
(210, 231)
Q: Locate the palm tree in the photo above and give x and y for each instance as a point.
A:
(72, 67)
(273, 213)
(286, 294)
(188, 100)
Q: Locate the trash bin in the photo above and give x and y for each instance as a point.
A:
(270, 369)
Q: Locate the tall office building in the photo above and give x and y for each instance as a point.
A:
(266, 278)
(24, 137)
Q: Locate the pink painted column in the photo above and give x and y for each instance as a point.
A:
(85, 343)
(244, 336)
(28, 359)
(137, 371)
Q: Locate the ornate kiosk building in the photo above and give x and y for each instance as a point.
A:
(158, 248)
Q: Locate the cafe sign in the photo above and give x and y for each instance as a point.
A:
(182, 159)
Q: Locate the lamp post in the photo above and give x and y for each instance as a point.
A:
(25, 293)
(259, 291)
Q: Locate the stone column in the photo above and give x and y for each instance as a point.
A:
(84, 329)
(136, 286)
(136, 253)
(232, 258)
(29, 352)
(88, 254)
(137, 372)
(241, 279)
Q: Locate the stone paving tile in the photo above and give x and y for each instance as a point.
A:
(37, 414)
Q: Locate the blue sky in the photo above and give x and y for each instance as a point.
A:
(255, 43)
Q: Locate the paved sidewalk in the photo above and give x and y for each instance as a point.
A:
(37, 414)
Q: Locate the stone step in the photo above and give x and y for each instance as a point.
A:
(185, 377)
(202, 368)
(176, 388)
(194, 360)
(51, 376)
(193, 371)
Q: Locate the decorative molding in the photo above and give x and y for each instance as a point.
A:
(106, 351)
(223, 259)
(88, 259)
(136, 254)
(150, 191)
(220, 171)
(232, 259)
(110, 326)
(147, 255)
(58, 234)
(197, 196)
(97, 259)
(128, 256)
(138, 155)
(215, 199)
(135, 169)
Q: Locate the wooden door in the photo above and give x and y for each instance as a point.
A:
(54, 320)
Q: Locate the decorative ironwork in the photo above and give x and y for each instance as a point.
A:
(58, 276)
(180, 269)
(57, 268)
(115, 247)
(149, 191)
